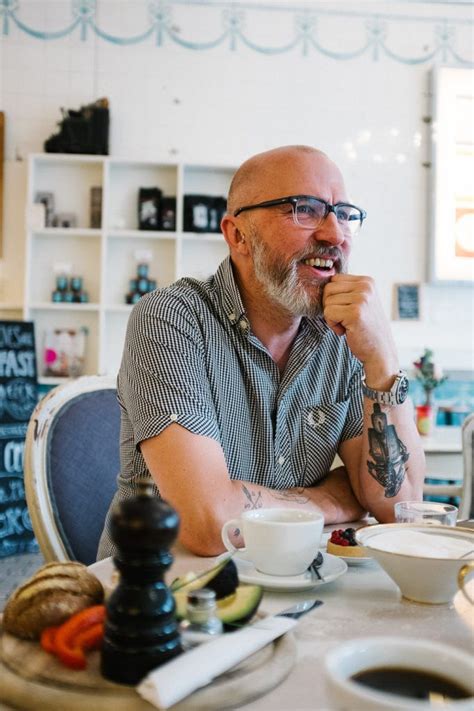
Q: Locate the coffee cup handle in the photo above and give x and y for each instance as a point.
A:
(462, 575)
(234, 522)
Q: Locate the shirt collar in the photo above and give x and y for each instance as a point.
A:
(234, 309)
(229, 292)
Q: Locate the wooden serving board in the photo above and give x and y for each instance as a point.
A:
(32, 679)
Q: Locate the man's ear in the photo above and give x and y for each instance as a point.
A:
(233, 236)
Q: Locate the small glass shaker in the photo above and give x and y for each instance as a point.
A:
(202, 623)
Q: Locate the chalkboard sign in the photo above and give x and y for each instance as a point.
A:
(407, 302)
(18, 396)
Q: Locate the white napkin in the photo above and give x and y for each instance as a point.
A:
(189, 671)
(421, 544)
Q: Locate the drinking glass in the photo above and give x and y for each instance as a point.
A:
(432, 512)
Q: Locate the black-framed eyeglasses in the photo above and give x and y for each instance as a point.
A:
(309, 212)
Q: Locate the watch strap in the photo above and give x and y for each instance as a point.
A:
(395, 396)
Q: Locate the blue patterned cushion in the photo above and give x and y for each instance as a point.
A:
(82, 468)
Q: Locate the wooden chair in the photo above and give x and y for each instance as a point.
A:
(462, 489)
(71, 466)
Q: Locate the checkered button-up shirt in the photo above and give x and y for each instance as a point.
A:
(190, 357)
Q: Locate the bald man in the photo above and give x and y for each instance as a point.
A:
(238, 392)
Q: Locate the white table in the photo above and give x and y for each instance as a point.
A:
(443, 452)
(362, 602)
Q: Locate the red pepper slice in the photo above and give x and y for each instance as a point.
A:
(67, 648)
(90, 638)
(47, 639)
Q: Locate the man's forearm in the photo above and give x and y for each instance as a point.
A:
(391, 466)
(333, 497)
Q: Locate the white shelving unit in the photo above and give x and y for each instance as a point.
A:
(106, 257)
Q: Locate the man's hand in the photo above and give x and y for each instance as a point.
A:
(352, 307)
(335, 494)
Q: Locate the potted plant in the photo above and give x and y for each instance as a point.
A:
(430, 376)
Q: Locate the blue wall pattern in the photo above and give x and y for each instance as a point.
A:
(440, 43)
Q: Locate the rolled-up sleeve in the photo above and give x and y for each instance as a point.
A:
(162, 378)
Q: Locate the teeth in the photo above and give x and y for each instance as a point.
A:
(328, 263)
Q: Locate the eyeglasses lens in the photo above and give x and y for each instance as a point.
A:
(310, 213)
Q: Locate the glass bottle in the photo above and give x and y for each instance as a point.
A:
(201, 623)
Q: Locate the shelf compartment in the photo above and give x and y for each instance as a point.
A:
(70, 181)
(73, 319)
(206, 180)
(125, 180)
(121, 265)
(200, 258)
(53, 250)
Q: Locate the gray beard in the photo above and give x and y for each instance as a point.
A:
(282, 284)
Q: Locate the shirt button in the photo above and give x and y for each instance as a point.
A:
(281, 459)
(173, 417)
(243, 324)
(231, 317)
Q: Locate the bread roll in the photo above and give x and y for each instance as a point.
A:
(54, 593)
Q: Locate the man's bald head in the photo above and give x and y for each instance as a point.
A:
(250, 182)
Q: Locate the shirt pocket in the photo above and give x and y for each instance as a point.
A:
(322, 428)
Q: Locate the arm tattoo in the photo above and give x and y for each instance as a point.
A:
(388, 452)
(254, 501)
(297, 496)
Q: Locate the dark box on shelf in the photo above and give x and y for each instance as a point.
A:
(168, 213)
(203, 213)
(96, 207)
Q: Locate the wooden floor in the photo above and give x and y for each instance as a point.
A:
(14, 570)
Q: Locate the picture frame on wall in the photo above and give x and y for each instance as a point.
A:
(451, 257)
(407, 301)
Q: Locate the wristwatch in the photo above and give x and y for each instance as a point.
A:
(397, 394)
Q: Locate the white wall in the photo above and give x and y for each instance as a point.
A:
(220, 105)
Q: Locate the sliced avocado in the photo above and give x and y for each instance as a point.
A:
(222, 578)
(234, 610)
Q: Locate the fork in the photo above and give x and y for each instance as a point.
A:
(316, 564)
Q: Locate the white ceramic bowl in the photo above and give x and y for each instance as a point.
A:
(419, 575)
(357, 655)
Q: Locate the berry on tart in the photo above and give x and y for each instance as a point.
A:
(342, 542)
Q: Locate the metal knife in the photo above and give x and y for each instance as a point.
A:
(197, 667)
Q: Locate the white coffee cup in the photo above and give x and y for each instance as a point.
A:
(277, 541)
(346, 660)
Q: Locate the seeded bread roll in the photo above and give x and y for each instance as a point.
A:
(54, 593)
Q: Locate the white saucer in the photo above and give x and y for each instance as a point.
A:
(356, 561)
(333, 567)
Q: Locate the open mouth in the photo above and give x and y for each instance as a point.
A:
(322, 265)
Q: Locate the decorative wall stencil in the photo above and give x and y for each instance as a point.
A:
(238, 26)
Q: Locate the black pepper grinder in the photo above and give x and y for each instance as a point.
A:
(141, 631)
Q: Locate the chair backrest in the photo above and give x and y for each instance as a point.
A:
(71, 466)
(462, 490)
(468, 466)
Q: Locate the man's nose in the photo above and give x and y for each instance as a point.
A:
(330, 231)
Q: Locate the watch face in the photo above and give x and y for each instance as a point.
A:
(402, 389)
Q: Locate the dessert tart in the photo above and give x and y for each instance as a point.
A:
(343, 543)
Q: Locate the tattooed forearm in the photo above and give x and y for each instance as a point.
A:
(297, 496)
(388, 452)
(254, 501)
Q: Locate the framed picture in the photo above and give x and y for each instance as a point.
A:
(452, 205)
(407, 302)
